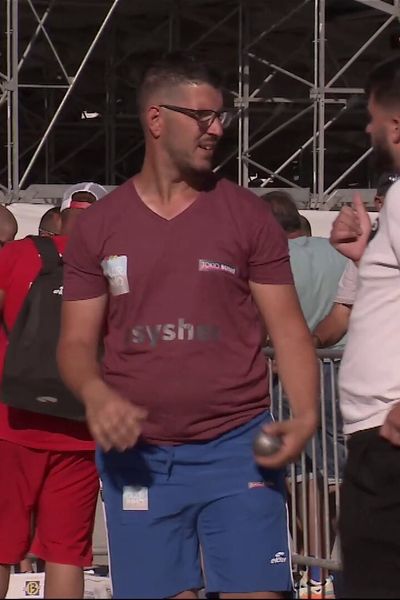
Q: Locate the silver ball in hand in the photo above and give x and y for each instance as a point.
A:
(265, 444)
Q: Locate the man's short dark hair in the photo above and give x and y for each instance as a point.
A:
(284, 210)
(175, 68)
(384, 83)
(47, 220)
(305, 226)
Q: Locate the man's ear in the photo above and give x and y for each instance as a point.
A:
(154, 120)
(395, 129)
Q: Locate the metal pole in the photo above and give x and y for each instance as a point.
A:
(273, 174)
(174, 30)
(380, 5)
(15, 119)
(347, 171)
(240, 95)
(307, 143)
(255, 132)
(280, 69)
(269, 77)
(217, 25)
(41, 23)
(9, 100)
(273, 132)
(321, 100)
(245, 99)
(69, 91)
(315, 108)
(77, 149)
(361, 50)
(277, 24)
(46, 35)
(109, 116)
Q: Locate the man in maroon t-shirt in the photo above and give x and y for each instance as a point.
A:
(47, 467)
(176, 262)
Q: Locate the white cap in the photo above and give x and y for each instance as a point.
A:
(96, 189)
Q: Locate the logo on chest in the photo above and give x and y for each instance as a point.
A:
(115, 269)
(214, 265)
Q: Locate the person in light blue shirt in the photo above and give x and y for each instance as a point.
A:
(317, 267)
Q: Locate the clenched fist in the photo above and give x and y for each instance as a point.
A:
(113, 421)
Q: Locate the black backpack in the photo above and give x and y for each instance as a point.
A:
(31, 380)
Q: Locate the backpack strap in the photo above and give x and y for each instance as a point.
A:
(48, 252)
(5, 328)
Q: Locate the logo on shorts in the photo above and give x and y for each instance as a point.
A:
(256, 484)
(279, 557)
(32, 588)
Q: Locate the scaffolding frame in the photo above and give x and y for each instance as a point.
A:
(321, 92)
(318, 93)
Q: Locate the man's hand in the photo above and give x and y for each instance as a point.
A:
(351, 230)
(294, 434)
(113, 421)
(390, 430)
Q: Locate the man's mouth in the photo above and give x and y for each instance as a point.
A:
(210, 147)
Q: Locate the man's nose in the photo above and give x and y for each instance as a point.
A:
(216, 128)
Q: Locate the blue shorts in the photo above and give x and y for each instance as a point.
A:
(169, 508)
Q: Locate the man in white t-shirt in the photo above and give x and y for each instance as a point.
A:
(370, 374)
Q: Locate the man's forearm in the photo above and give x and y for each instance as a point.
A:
(333, 327)
(299, 374)
(326, 333)
(79, 369)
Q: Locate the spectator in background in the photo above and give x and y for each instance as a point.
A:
(47, 467)
(8, 226)
(316, 266)
(305, 226)
(50, 223)
(334, 326)
(317, 269)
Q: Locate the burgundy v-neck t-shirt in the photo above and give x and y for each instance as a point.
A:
(183, 333)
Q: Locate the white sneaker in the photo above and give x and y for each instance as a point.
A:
(315, 590)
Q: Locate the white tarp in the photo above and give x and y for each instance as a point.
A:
(28, 217)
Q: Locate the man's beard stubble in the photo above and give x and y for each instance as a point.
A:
(382, 158)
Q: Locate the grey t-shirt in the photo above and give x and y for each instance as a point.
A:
(347, 288)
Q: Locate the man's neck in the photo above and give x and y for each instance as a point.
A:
(163, 187)
(165, 191)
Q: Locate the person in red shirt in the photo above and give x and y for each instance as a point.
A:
(47, 468)
(176, 261)
(8, 226)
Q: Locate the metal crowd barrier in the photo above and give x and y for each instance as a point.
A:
(314, 480)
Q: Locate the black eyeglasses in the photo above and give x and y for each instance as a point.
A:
(204, 118)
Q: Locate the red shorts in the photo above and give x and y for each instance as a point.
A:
(58, 489)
